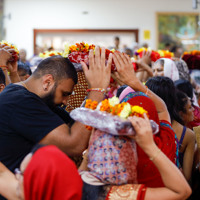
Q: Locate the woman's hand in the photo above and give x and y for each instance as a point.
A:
(144, 135)
(146, 58)
(125, 71)
(98, 74)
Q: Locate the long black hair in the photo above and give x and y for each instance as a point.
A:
(165, 89)
(184, 86)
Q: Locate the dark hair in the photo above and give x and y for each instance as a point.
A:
(58, 66)
(117, 38)
(129, 52)
(167, 44)
(174, 48)
(182, 99)
(165, 89)
(2, 77)
(120, 90)
(24, 67)
(184, 86)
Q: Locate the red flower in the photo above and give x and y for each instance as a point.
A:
(155, 56)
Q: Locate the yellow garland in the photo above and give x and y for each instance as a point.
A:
(10, 45)
(166, 53)
(47, 54)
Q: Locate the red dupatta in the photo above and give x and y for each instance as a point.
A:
(147, 172)
(51, 175)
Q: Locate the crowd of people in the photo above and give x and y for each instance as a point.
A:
(37, 142)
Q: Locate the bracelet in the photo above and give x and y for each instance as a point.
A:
(147, 91)
(4, 66)
(97, 90)
(152, 158)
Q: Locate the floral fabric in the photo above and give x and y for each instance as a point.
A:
(112, 159)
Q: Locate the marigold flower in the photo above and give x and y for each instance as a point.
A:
(123, 110)
(138, 109)
(73, 48)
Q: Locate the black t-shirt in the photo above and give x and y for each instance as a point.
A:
(24, 120)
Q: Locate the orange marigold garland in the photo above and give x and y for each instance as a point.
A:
(194, 52)
(112, 105)
(81, 47)
(91, 105)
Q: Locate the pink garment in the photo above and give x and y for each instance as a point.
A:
(125, 92)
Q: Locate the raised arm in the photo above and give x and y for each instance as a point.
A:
(4, 57)
(12, 68)
(176, 187)
(8, 183)
(144, 63)
(126, 74)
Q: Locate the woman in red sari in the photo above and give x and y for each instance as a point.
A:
(171, 176)
(152, 169)
(175, 186)
(165, 140)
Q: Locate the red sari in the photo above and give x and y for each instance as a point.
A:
(147, 172)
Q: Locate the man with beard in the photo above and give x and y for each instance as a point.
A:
(26, 107)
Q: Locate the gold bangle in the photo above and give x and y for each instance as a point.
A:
(152, 158)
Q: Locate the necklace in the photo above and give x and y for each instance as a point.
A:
(24, 85)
